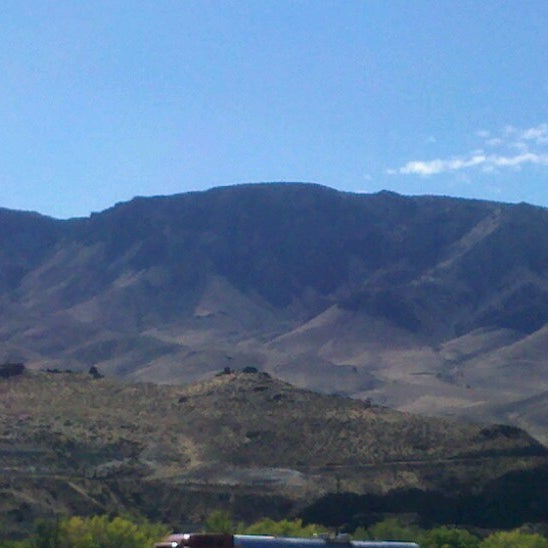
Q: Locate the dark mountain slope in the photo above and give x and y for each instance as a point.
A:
(25, 239)
(278, 240)
(421, 302)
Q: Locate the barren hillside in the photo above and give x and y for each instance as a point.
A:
(428, 304)
(70, 443)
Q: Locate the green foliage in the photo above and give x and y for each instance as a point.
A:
(103, 532)
(448, 537)
(514, 539)
(93, 532)
(219, 521)
(361, 533)
(394, 529)
(47, 535)
(283, 528)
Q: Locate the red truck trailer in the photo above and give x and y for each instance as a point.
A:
(196, 540)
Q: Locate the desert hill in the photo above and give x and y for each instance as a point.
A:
(428, 304)
(72, 443)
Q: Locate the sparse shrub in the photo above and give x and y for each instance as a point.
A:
(11, 370)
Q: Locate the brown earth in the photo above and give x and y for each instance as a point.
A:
(248, 442)
(427, 304)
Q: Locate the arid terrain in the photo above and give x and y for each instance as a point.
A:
(74, 444)
(426, 304)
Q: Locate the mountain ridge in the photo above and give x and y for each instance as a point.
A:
(409, 301)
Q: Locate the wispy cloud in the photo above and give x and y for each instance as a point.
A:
(511, 148)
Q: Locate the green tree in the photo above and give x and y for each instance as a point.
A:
(394, 529)
(361, 533)
(219, 521)
(448, 537)
(47, 534)
(514, 539)
(94, 532)
(283, 528)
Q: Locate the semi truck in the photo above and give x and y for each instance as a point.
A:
(198, 540)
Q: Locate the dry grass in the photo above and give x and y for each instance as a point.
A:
(69, 443)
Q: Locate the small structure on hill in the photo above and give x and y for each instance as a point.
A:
(94, 372)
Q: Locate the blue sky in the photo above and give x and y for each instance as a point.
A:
(101, 101)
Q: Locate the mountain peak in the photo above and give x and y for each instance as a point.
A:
(415, 302)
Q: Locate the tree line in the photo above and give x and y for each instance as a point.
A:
(119, 532)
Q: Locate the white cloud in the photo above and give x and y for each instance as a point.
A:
(439, 166)
(538, 134)
(513, 148)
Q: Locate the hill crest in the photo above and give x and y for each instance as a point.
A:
(71, 443)
(425, 303)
